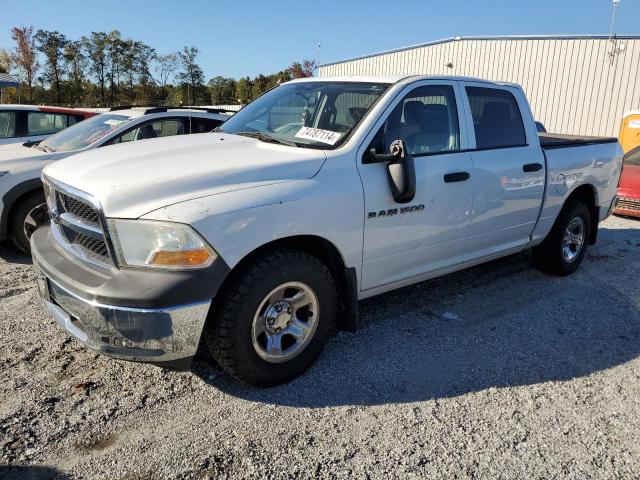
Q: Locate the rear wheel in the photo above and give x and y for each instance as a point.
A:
(566, 245)
(273, 320)
(29, 215)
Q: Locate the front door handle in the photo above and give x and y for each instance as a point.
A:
(532, 167)
(456, 177)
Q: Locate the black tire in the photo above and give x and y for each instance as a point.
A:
(229, 331)
(35, 205)
(549, 255)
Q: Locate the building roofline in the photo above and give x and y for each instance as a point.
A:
(488, 37)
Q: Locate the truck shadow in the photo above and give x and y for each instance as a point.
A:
(26, 472)
(502, 324)
(9, 253)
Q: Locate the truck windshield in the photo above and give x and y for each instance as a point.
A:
(84, 133)
(306, 114)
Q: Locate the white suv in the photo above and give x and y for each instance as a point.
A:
(22, 202)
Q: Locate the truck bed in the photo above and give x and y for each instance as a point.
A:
(557, 140)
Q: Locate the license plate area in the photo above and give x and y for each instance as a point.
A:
(43, 286)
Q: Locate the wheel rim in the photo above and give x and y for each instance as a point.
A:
(285, 322)
(573, 240)
(36, 217)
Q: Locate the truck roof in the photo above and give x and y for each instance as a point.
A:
(393, 79)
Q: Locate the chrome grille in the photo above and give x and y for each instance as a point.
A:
(95, 246)
(78, 224)
(628, 204)
(79, 209)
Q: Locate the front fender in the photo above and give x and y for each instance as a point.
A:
(237, 223)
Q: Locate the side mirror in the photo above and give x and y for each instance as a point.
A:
(401, 171)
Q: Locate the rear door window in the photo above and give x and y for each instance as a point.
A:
(497, 120)
(73, 119)
(165, 127)
(7, 124)
(203, 125)
(43, 123)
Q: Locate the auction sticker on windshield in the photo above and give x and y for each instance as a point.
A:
(113, 122)
(319, 135)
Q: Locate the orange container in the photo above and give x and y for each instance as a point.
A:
(630, 131)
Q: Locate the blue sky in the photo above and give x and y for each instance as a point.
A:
(250, 37)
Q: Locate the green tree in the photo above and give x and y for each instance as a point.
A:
(222, 90)
(243, 90)
(52, 45)
(115, 48)
(96, 48)
(191, 75)
(77, 63)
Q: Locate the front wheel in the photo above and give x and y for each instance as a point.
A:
(29, 215)
(271, 323)
(566, 245)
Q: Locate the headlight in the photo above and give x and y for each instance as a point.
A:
(153, 244)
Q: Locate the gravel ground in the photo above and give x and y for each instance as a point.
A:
(495, 372)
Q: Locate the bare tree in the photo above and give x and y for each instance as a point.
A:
(164, 70)
(5, 61)
(24, 56)
(302, 70)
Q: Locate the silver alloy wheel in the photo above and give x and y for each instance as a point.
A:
(285, 322)
(573, 240)
(36, 217)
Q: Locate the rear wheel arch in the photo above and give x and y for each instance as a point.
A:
(587, 194)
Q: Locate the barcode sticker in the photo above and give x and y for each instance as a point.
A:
(319, 135)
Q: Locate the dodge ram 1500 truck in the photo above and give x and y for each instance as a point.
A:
(259, 239)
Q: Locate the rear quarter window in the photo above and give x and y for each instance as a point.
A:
(633, 157)
(43, 123)
(497, 120)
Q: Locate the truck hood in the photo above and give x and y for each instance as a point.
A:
(10, 154)
(133, 179)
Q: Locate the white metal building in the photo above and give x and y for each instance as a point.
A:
(580, 84)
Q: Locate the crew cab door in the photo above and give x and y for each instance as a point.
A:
(508, 173)
(406, 240)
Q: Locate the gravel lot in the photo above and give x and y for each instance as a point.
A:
(495, 372)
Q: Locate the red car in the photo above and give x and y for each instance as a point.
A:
(32, 123)
(629, 189)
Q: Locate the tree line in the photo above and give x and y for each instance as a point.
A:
(105, 69)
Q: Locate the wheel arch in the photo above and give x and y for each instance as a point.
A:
(327, 253)
(587, 194)
(12, 198)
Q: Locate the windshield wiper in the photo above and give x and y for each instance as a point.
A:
(263, 137)
(46, 148)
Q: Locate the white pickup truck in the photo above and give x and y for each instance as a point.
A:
(260, 238)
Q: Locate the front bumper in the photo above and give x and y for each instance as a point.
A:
(164, 334)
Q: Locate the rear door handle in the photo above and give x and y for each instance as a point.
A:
(532, 167)
(456, 177)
